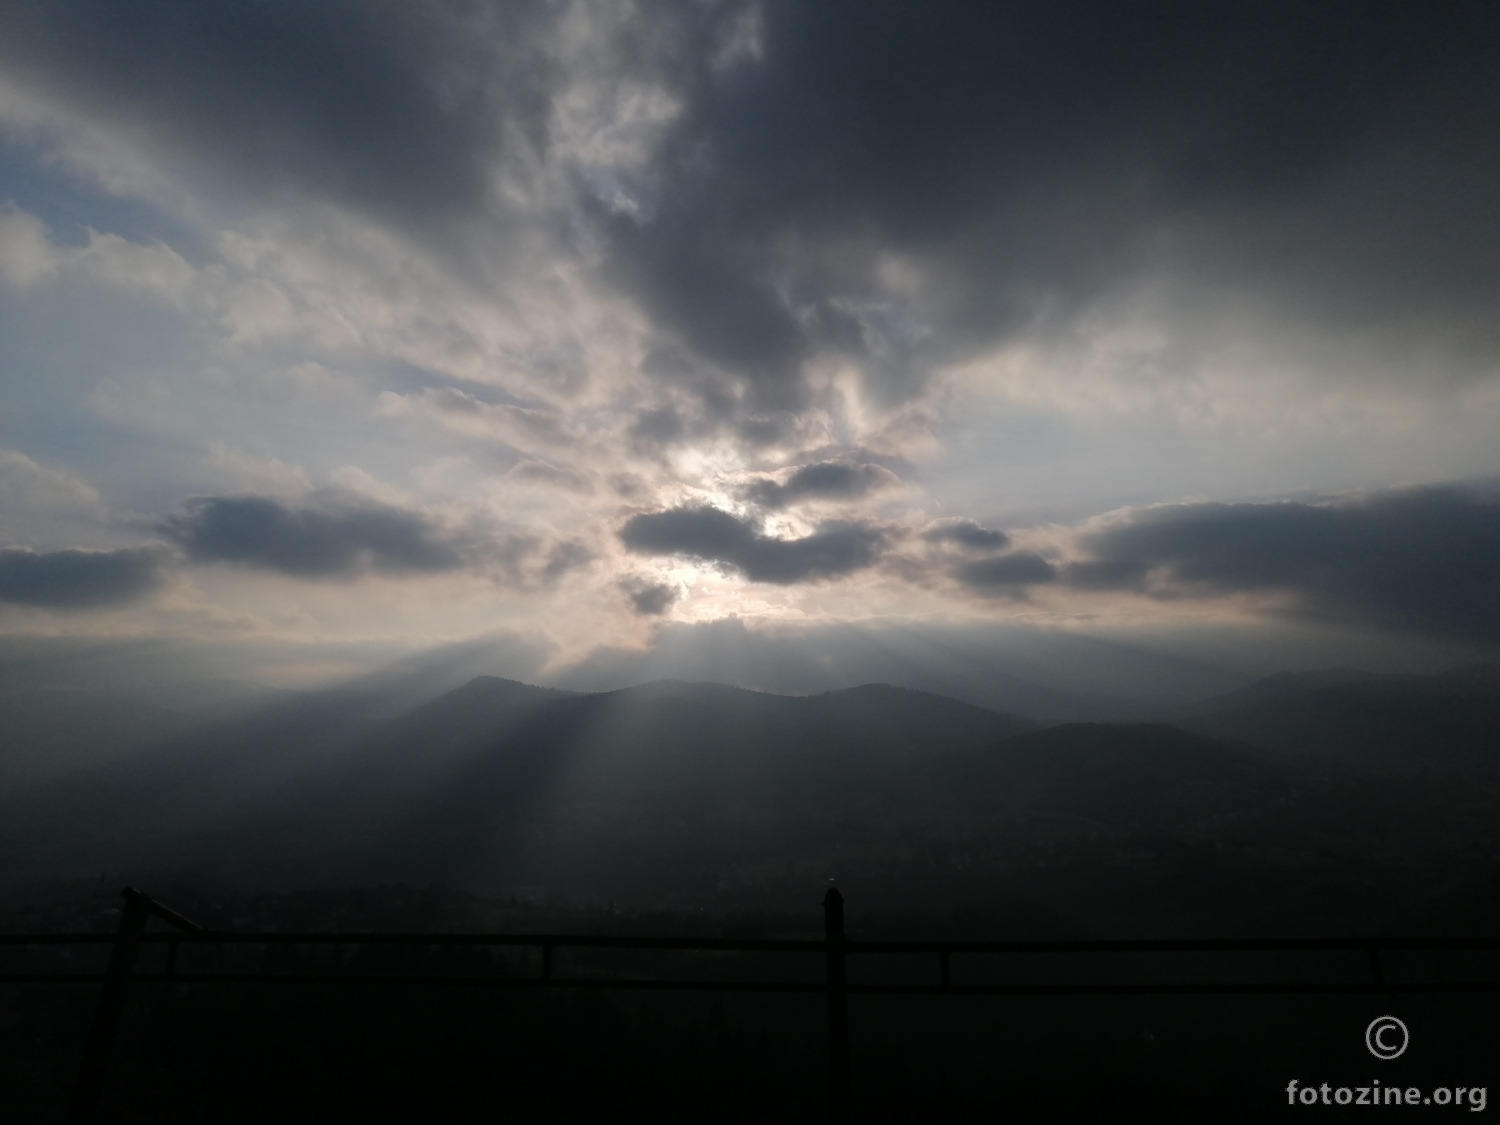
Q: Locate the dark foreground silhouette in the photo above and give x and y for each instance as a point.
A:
(1335, 805)
(206, 1053)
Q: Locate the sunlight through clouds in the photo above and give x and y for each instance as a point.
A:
(592, 318)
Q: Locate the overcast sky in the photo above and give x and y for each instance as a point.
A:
(382, 326)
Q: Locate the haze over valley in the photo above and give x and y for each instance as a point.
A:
(1314, 804)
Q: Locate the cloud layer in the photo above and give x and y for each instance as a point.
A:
(75, 579)
(309, 542)
(1426, 559)
(826, 480)
(1005, 573)
(898, 185)
(889, 185)
(381, 104)
(901, 309)
(834, 549)
(967, 534)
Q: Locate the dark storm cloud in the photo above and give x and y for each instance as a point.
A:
(310, 542)
(826, 480)
(966, 533)
(383, 104)
(1426, 559)
(1024, 159)
(76, 579)
(836, 548)
(1005, 573)
(649, 599)
(1031, 157)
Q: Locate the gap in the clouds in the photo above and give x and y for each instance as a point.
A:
(1016, 464)
(65, 402)
(70, 206)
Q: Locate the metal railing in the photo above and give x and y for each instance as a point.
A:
(835, 947)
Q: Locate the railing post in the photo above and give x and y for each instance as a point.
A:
(111, 1006)
(838, 1008)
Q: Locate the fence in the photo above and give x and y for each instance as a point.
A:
(835, 947)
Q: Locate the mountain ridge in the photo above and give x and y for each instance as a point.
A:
(678, 794)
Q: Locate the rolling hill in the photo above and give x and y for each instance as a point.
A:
(685, 795)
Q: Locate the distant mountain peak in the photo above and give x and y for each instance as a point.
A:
(492, 685)
(878, 687)
(685, 688)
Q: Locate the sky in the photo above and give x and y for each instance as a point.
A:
(337, 331)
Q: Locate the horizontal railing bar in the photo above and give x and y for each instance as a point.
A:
(1174, 989)
(170, 916)
(414, 979)
(1175, 945)
(777, 945)
(569, 941)
(1284, 989)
